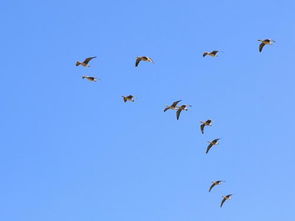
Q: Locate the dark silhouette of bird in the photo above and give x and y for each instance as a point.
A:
(212, 143)
(215, 183)
(89, 78)
(128, 98)
(225, 198)
(85, 62)
(181, 108)
(172, 106)
(212, 53)
(143, 58)
(265, 42)
(205, 123)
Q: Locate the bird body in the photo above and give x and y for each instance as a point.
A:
(205, 123)
(181, 108)
(142, 58)
(212, 53)
(128, 98)
(265, 42)
(173, 106)
(85, 63)
(215, 183)
(212, 143)
(89, 78)
(225, 198)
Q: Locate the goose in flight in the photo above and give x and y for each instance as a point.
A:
(89, 78)
(215, 183)
(212, 53)
(128, 98)
(85, 62)
(265, 42)
(143, 58)
(181, 108)
(173, 106)
(205, 123)
(212, 143)
(225, 198)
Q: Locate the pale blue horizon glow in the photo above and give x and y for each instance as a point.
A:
(72, 150)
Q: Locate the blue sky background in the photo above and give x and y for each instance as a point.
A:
(71, 149)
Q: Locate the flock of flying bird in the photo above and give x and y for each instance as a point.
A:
(174, 105)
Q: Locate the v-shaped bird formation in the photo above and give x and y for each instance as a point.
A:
(177, 107)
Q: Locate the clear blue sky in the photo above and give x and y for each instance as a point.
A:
(71, 150)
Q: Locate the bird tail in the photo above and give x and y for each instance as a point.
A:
(78, 63)
(83, 77)
(206, 53)
(124, 98)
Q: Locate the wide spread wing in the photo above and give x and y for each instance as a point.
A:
(214, 184)
(209, 147)
(261, 46)
(86, 61)
(222, 202)
(178, 113)
(214, 52)
(202, 128)
(167, 108)
(175, 103)
(137, 61)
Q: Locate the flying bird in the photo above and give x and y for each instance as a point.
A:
(128, 98)
(225, 198)
(142, 58)
(89, 78)
(172, 106)
(85, 62)
(265, 42)
(212, 143)
(212, 53)
(205, 123)
(181, 108)
(215, 183)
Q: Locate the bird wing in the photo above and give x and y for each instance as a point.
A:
(214, 52)
(178, 113)
(261, 46)
(212, 186)
(137, 61)
(202, 128)
(175, 103)
(222, 202)
(167, 108)
(209, 147)
(86, 61)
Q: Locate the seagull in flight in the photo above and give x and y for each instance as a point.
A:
(212, 143)
(173, 106)
(142, 58)
(225, 198)
(205, 123)
(265, 42)
(85, 63)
